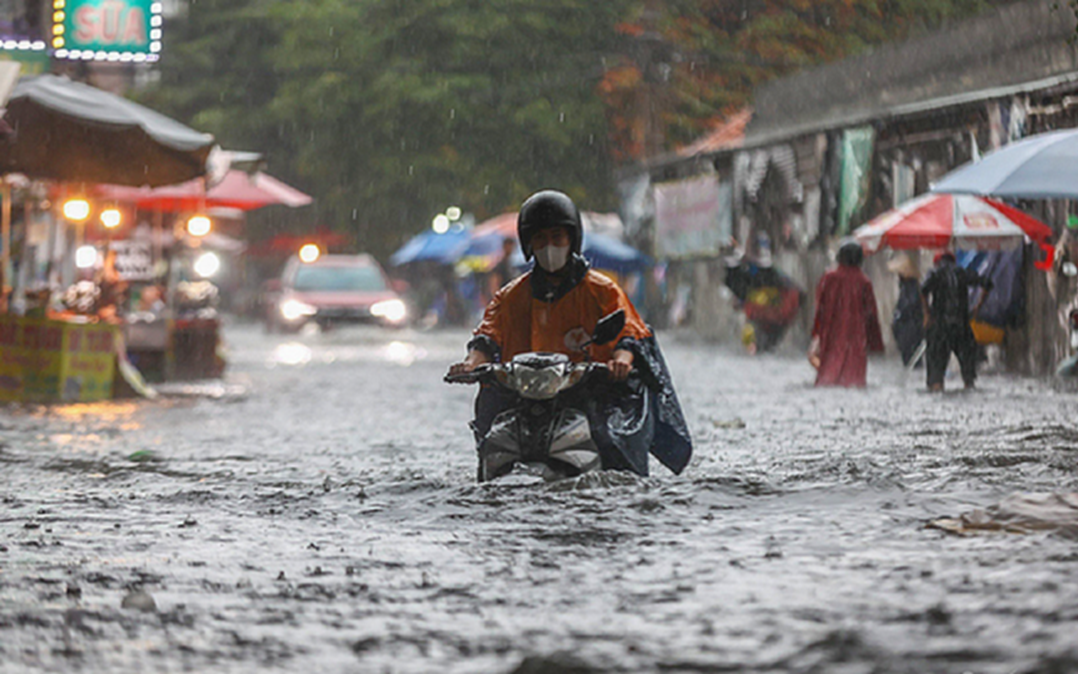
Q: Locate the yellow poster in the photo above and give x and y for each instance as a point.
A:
(55, 361)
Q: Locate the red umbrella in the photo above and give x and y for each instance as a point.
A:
(237, 190)
(952, 220)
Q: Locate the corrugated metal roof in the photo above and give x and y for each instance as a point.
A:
(1012, 49)
(727, 135)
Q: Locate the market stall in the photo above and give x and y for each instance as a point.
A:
(62, 332)
(184, 343)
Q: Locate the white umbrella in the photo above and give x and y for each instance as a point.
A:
(1044, 166)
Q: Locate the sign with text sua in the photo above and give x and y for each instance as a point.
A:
(107, 30)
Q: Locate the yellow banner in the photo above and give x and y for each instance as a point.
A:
(44, 360)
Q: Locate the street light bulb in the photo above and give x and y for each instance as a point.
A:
(309, 253)
(76, 210)
(207, 265)
(453, 213)
(440, 225)
(85, 257)
(199, 225)
(111, 217)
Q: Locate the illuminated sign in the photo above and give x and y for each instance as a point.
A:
(106, 30)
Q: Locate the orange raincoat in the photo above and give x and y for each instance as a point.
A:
(518, 323)
(530, 315)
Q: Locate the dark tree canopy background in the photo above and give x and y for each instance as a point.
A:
(389, 111)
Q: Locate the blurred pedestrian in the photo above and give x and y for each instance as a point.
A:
(907, 323)
(847, 327)
(504, 271)
(947, 316)
(769, 298)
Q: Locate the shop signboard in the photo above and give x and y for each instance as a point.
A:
(44, 360)
(134, 260)
(693, 217)
(114, 30)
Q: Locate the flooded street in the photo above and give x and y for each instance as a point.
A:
(318, 512)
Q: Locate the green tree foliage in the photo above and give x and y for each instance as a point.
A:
(714, 52)
(390, 111)
(218, 73)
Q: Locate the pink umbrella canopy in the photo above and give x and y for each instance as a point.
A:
(951, 220)
(237, 190)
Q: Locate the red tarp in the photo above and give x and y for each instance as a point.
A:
(237, 190)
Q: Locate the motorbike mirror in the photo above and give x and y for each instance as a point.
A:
(609, 327)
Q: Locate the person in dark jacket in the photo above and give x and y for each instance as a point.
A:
(945, 301)
(908, 321)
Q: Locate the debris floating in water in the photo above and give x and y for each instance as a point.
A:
(1019, 514)
(139, 600)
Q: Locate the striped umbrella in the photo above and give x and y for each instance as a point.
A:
(951, 221)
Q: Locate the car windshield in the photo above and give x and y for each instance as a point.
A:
(332, 279)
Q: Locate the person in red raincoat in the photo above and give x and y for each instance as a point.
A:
(847, 327)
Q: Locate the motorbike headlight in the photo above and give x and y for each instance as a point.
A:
(539, 384)
(393, 311)
(292, 310)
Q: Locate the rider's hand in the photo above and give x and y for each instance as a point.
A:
(620, 364)
(473, 360)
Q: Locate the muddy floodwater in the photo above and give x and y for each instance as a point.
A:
(316, 512)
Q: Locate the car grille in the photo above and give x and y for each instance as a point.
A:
(344, 313)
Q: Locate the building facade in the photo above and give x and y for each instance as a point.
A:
(830, 148)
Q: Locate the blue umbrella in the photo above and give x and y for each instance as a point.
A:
(1044, 166)
(483, 245)
(604, 252)
(445, 248)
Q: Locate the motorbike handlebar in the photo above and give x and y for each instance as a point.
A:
(474, 377)
(484, 373)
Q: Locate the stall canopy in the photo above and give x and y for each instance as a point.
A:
(68, 131)
(238, 190)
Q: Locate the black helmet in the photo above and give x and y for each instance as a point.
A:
(548, 208)
(850, 254)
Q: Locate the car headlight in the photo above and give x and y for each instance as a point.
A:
(393, 311)
(292, 310)
(539, 384)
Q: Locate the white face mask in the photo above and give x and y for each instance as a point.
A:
(552, 258)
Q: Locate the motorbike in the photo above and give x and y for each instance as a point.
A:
(545, 428)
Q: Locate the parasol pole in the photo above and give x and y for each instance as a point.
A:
(53, 235)
(5, 242)
(157, 234)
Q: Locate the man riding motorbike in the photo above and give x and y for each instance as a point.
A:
(555, 308)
